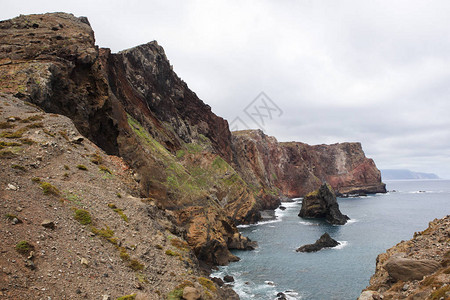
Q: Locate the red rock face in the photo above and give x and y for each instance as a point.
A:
(295, 169)
(52, 61)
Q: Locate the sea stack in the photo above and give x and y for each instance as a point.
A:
(325, 241)
(322, 204)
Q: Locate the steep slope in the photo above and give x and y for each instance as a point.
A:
(71, 213)
(295, 169)
(132, 104)
(415, 269)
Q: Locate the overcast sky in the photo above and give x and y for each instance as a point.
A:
(377, 72)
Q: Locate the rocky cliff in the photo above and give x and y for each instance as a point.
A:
(72, 214)
(182, 156)
(132, 104)
(414, 269)
(294, 169)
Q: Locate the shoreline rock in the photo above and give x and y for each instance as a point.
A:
(322, 203)
(325, 241)
(415, 269)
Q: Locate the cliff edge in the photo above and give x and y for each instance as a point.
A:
(415, 269)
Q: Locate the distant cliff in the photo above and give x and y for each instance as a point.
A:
(184, 158)
(400, 174)
(294, 169)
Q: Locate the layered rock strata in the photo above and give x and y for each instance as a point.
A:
(322, 203)
(294, 169)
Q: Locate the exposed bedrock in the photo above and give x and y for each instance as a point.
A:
(294, 169)
(322, 204)
(325, 241)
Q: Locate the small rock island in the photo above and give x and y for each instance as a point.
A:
(322, 203)
(325, 241)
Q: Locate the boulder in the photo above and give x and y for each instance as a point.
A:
(228, 278)
(48, 224)
(325, 241)
(407, 269)
(322, 203)
(217, 281)
(369, 295)
(191, 293)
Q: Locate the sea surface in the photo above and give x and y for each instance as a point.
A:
(377, 223)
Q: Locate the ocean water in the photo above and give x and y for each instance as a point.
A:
(377, 223)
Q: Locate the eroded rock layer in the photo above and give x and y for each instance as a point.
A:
(294, 169)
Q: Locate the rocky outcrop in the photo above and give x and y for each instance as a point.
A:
(415, 269)
(325, 241)
(294, 169)
(407, 269)
(322, 203)
(132, 104)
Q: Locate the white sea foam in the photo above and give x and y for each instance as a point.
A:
(351, 221)
(342, 245)
(309, 223)
(260, 223)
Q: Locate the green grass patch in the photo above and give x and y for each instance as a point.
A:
(96, 159)
(82, 167)
(19, 167)
(27, 141)
(35, 125)
(49, 133)
(127, 297)
(180, 154)
(83, 216)
(13, 134)
(181, 245)
(206, 283)
(10, 217)
(32, 119)
(24, 247)
(172, 253)
(118, 211)
(104, 169)
(9, 144)
(135, 265)
(48, 188)
(176, 294)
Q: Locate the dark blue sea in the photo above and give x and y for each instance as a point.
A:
(377, 223)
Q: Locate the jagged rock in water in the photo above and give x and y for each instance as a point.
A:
(322, 203)
(325, 241)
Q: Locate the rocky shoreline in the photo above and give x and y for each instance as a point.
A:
(414, 269)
